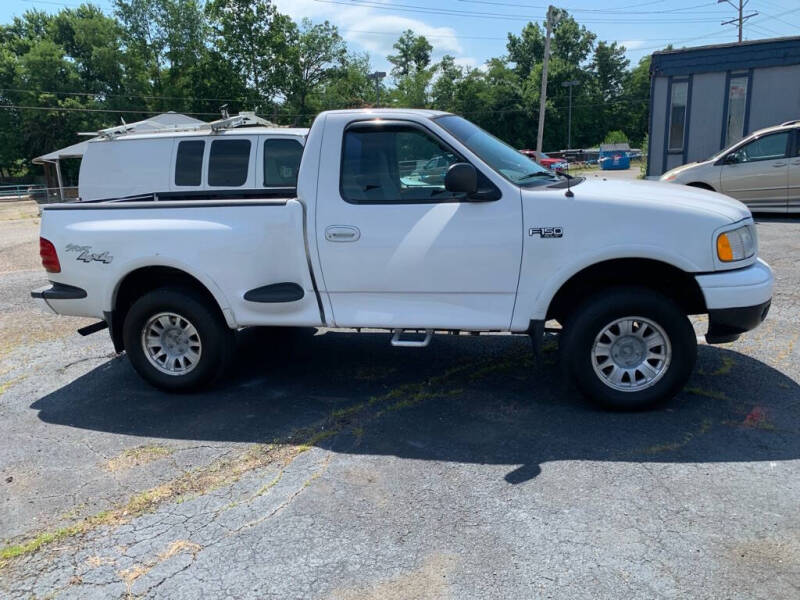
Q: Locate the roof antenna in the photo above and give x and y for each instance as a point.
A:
(568, 193)
(121, 118)
(224, 111)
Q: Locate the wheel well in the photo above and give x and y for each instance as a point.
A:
(141, 281)
(662, 277)
(700, 184)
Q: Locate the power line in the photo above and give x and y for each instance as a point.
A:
(473, 37)
(741, 18)
(414, 8)
(145, 96)
(609, 11)
(100, 110)
(777, 18)
(288, 116)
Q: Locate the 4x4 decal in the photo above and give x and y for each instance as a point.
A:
(86, 255)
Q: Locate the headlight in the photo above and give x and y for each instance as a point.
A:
(737, 244)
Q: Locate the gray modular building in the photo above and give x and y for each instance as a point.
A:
(704, 99)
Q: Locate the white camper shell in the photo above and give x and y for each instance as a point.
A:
(237, 155)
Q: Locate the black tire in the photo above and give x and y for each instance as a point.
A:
(216, 339)
(586, 324)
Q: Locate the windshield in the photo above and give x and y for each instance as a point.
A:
(501, 157)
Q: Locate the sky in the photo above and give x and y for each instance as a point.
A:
(476, 30)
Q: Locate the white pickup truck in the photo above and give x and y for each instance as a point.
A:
(404, 220)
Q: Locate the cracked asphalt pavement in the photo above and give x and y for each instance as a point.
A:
(331, 465)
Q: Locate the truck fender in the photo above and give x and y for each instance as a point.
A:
(163, 261)
(532, 305)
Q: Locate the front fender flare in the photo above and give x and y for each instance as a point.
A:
(532, 304)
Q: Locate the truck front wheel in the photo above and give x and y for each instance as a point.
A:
(629, 348)
(175, 340)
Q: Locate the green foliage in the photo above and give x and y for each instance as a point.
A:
(615, 137)
(315, 57)
(193, 56)
(413, 54)
(643, 162)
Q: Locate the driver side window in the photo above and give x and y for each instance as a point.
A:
(769, 147)
(394, 164)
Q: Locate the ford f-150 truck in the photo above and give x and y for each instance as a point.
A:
(224, 240)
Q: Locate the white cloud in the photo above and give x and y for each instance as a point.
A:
(632, 44)
(469, 62)
(374, 31)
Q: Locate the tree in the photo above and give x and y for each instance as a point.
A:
(350, 85)
(318, 52)
(144, 37)
(412, 90)
(413, 54)
(635, 102)
(443, 93)
(255, 38)
(572, 42)
(194, 55)
(526, 49)
(615, 137)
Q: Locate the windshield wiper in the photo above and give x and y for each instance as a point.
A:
(535, 174)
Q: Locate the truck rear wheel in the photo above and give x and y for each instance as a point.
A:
(629, 348)
(175, 340)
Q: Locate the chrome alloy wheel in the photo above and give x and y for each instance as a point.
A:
(171, 343)
(631, 354)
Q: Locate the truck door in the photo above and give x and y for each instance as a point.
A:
(398, 250)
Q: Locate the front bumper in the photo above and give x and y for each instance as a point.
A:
(737, 300)
(727, 324)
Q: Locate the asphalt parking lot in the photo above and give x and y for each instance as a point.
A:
(331, 465)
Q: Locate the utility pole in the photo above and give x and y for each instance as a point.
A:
(376, 77)
(552, 19)
(570, 84)
(741, 18)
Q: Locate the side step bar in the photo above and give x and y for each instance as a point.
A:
(93, 328)
(399, 342)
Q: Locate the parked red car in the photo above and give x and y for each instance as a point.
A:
(556, 164)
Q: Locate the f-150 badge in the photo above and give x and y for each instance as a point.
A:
(86, 255)
(546, 232)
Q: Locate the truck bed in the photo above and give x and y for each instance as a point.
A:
(233, 246)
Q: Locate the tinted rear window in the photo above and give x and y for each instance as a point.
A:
(281, 162)
(227, 163)
(189, 163)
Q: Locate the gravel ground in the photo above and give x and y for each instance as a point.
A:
(331, 465)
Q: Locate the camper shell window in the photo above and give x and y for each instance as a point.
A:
(281, 162)
(189, 163)
(228, 162)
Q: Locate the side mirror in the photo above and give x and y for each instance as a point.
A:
(730, 159)
(461, 178)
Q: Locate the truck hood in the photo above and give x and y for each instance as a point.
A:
(662, 196)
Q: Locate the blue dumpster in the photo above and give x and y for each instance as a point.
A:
(614, 157)
(614, 160)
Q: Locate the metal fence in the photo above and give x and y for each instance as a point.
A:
(37, 192)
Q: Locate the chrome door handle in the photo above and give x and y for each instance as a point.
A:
(342, 233)
(776, 165)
